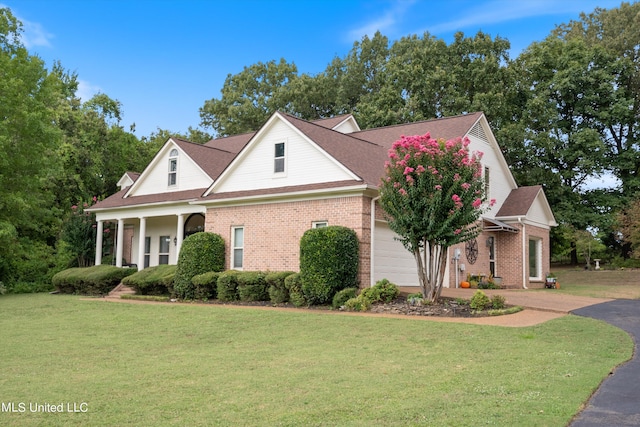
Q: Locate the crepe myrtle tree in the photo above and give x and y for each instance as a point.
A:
(433, 196)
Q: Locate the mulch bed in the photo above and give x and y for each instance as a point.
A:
(445, 307)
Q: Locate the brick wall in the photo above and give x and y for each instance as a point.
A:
(508, 257)
(272, 231)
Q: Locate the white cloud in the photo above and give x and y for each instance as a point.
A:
(86, 90)
(497, 11)
(384, 23)
(33, 34)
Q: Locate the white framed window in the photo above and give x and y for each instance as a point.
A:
(535, 259)
(173, 167)
(319, 224)
(237, 248)
(279, 158)
(147, 251)
(163, 255)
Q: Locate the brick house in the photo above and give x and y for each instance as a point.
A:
(261, 191)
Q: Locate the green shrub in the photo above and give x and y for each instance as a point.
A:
(382, 291)
(328, 262)
(359, 303)
(3, 289)
(228, 286)
(278, 292)
(498, 302)
(156, 280)
(480, 301)
(341, 297)
(252, 286)
(205, 285)
(200, 253)
(96, 280)
(294, 287)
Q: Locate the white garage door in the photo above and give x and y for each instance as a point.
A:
(391, 260)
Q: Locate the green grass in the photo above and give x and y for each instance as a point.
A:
(196, 365)
(599, 284)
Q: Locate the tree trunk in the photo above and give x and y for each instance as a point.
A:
(431, 261)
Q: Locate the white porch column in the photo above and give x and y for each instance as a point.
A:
(179, 235)
(141, 242)
(120, 243)
(99, 231)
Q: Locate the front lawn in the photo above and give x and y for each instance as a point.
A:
(623, 283)
(163, 364)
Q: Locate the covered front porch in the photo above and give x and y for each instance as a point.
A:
(146, 237)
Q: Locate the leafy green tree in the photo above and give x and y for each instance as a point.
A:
(248, 98)
(433, 195)
(617, 116)
(29, 96)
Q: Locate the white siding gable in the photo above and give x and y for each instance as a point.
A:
(155, 178)
(304, 162)
(540, 213)
(348, 126)
(501, 181)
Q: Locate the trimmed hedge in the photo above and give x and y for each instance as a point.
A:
(206, 285)
(382, 291)
(293, 284)
(341, 297)
(156, 280)
(278, 292)
(328, 262)
(228, 286)
(96, 280)
(200, 253)
(252, 286)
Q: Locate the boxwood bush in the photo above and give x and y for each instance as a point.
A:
(328, 262)
(228, 286)
(294, 287)
(382, 291)
(341, 297)
(96, 280)
(205, 285)
(200, 253)
(278, 292)
(156, 280)
(252, 286)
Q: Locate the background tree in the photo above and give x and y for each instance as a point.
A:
(433, 194)
(248, 98)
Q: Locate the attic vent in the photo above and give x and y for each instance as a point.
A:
(478, 132)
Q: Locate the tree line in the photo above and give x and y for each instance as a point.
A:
(565, 111)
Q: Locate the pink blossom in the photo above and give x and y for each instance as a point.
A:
(492, 202)
(74, 207)
(420, 169)
(402, 191)
(107, 231)
(456, 177)
(476, 203)
(410, 179)
(457, 231)
(465, 185)
(438, 187)
(457, 200)
(95, 199)
(408, 170)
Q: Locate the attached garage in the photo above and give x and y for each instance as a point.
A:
(390, 258)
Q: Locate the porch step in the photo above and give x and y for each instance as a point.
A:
(119, 290)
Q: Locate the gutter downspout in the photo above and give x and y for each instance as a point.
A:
(372, 240)
(524, 253)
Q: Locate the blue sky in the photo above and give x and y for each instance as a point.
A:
(162, 59)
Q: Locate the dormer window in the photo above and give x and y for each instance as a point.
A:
(173, 167)
(278, 163)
